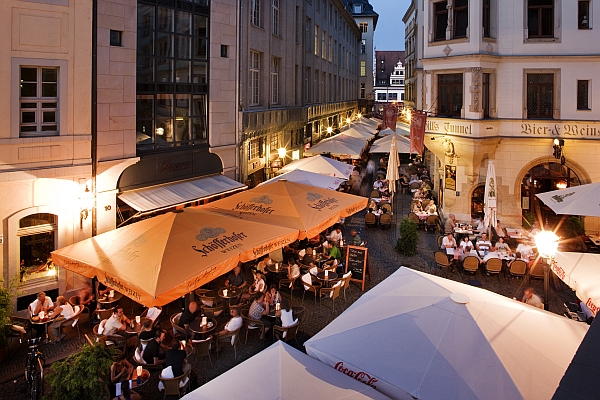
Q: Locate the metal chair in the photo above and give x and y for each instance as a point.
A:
(177, 330)
(310, 287)
(172, 384)
(331, 293)
(289, 283)
(235, 335)
(73, 321)
(252, 324)
(536, 271)
(286, 334)
(202, 348)
(298, 312)
(212, 311)
(432, 223)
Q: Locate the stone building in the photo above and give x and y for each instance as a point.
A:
(413, 48)
(389, 78)
(505, 81)
(298, 73)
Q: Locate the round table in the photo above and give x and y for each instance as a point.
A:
(232, 292)
(144, 378)
(106, 302)
(281, 268)
(196, 327)
(274, 313)
(330, 276)
(45, 322)
(137, 327)
(320, 260)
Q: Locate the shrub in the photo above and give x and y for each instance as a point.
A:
(574, 226)
(409, 235)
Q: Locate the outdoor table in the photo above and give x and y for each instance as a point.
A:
(232, 293)
(279, 269)
(595, 239)
(320, 260)
(106, 301)
(144, 378)
(196, 327)
(44, 322)
(137, 327)
(274, 313)
(330, 276)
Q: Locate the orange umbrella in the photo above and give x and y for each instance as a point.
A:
(308, 209)
(160, 259)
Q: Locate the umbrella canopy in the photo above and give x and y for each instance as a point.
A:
(291, 375)
(421, 336)
(489, 198)
(321, 165)
(578, 200)
(383, 145)
(307, 209)
(393, 164)
(581, 272)
(358, 133)
(309, 178)
(160, 259)
(386, 131)
(339, 146)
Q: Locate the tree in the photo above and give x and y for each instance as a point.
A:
(409, 235)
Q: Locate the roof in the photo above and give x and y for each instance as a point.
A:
(367, 10)
(390, 59)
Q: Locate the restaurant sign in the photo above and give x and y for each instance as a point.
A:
(220, 241)
(444, 126)
(450, 178)
(254, 207)
(360, 376)
(317, 202)
(567, 129)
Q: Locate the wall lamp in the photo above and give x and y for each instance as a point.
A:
(558, 150)
(86, 202)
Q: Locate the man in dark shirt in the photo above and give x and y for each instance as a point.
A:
(176, 359)
(308, 256)
(236, 278)
(188, 315)
(152, 353)
(147, 332)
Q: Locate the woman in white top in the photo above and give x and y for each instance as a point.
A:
(63, 311)
(431, 208)
(465, 242)
(257, 287)
(287, 319)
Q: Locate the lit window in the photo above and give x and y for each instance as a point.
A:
(254, 77)
(38, 101)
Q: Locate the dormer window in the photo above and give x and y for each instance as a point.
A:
(357, 8)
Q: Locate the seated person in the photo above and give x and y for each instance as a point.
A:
(257, 286)
(490, 255)
(41, 303)
(147, 332)
(484, 244)
(333, 252)
(259, 311)
(373, 205)
(153, 353)
(416, 209)
(272, 296)
(287, 317)
(526, 252)
(449, 242)
(293, 269)
(188, 315)
(431, 208)
(335, 236)
(117, 323)
(236, 278)
(465, 252)
(502, 247)
(262, 264)
(61, 312)
(498, 230)
(478, 225)
(121, 370)
(356, 239)
(377, 185)
(127, 393)
(465, 242)
(414, 178)
(235, 323)
(315, 241)
(450, 224)
(175, 358)
(308, 256)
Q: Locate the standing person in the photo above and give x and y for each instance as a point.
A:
(335, 236)
(61, 312)
(259, 311)
(370, 169)
(531, 298)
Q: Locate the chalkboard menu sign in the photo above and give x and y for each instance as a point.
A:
(357, 262)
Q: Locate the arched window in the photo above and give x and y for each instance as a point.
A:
(37, 238)
(477, 208)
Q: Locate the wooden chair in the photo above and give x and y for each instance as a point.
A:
(385, 221)
(235, 335)
(387, 207)
(213, 312)
(252, 324)
(414, 186)
(206, 301)
(104, 313)
(289, 283)
(412, 205)
(471, 264)
(493, 266)
(286, 334)
(440, 239)
(119, 342)
(432, 223)
(311, 287)
(330, 266)
(536, 271)
(202, 348)
(73, 321)
(172, 384)
(375, 194)
(517, 269)
(331, 293)
(414, 218)
(177, 330)
(370, 220)
(441, 259)
(145, 315)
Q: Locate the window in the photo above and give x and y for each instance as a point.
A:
(116, 38)
(485, 95)
(540, 93)
(330, 47)
(440, 20)
(274, 142)
(362, 90)
(357, 8)
(540, 18)
(364, 27)
(450, 95)
(275, 81)
(402, 96)
(395, 81)
(393, 96)
(401, 72)
(316, 39)
(487, 18)
(461, 18)
(307, 38)
(224, 51)
(363, 46)
(254, 149)
(363, 68)
(275, 17)
(255, 12)
(381, 96)
(583, 14)
(37, 235)
(583, 95)
(254, 77)
(323, 45)
(38, 101)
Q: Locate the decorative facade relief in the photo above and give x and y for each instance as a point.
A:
(475, 89)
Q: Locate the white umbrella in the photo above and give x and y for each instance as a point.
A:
(581, 272)
(392, 169)
(386, 131)
(489, 198)
(383, 145)
(282, 372)
(321, 165)
(422, 336)
(358, 133)
(578, 200)
(339, 146)
(309, 178)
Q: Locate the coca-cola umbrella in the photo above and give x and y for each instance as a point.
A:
(419, 336)
(581, 271)
(290, 375)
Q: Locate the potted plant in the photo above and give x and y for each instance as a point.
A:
(7, 297)
(83, 375)
(409, 235)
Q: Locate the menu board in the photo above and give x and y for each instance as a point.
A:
(357, 262)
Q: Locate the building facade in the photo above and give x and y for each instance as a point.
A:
(298, 70)
(389, 79)
(507, 84)
(413, 48)
(366, 19)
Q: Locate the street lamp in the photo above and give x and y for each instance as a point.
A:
(329, 130)
(547, 245)
(282, 152)
(348, 120)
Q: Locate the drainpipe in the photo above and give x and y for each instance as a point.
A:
(94, 113)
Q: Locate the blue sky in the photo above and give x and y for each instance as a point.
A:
(389, 34)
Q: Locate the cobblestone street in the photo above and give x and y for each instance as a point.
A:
(384, 260)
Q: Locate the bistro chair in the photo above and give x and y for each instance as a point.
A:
(330, 265)
(172, 384)
(441, 259)
(414, 218)
(375, 194)
(471, 264)
(346, 282)
(310, 286)
(104, 313)
(230, 337)
(385, 221)
(387, 207)
(119, 342)
(517, 269)
(440, 240)
(252, 324)
(370, 220)
(536, 271)
(412, 205)
(154, 314)
(493, 266)
(73, 321)
(331, 293)
(202, 348)
(177, 330)
(289, 283)
(298, 312)
(414, 186)
(286, 334)
(213, 312)
(432, 223)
